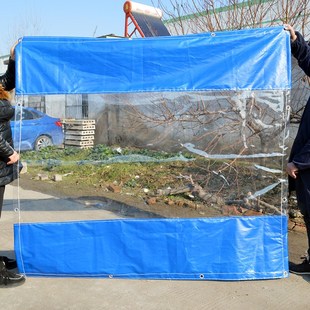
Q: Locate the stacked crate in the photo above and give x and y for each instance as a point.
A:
(79, 132)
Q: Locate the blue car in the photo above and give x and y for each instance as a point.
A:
(33, 130)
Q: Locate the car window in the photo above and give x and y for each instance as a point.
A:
(26, 114)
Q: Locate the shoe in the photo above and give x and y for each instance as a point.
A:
(303, 268)
(9, 278)
(9, 262)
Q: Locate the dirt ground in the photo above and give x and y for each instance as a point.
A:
(297, 245)
(133, 204)
(136, 207)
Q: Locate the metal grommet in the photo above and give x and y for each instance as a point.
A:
(16, 210)
(110, 276)
(213, 34)
(201, 276)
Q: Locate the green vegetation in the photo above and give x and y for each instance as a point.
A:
(130, 168)
(172, 177)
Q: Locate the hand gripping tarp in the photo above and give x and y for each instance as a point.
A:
(224, 248)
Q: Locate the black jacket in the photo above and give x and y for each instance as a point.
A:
(8, 173)
(300, 152)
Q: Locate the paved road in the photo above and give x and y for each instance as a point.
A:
(76, 293)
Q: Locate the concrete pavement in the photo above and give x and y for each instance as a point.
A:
(90, 293)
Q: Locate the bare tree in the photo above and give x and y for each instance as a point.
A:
(222, 123)
(195, 16)
(28, 25)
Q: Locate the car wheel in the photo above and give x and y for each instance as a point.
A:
(42, 141)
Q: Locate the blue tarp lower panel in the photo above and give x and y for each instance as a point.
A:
(233, 248)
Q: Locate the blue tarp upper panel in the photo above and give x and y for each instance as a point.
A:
(209, 61)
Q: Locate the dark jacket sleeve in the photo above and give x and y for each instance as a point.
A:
(8, 78)
(300, 153)
(302, 158)
(6, 112)
(6, 143)
(6, 149)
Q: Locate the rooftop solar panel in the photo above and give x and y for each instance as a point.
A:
(151, 26)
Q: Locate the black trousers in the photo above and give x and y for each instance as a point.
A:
(2, 188)
(303, 198)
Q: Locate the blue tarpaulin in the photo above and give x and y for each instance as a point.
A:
(219, 249)
(225, 248)
(246, 59)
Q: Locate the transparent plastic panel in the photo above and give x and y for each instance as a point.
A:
(151, 155)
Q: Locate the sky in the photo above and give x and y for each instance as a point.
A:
(77, 18)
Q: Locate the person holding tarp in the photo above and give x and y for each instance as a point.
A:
(8, 161)
(298, 167)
